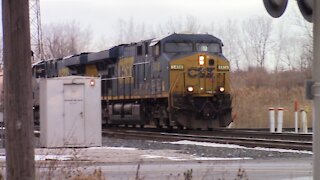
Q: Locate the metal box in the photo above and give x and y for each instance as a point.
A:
(70, 112)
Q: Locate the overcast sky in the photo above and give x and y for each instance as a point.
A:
(106, 12)
(102, 15)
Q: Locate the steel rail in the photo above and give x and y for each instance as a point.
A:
(243, 141)
(228, 132)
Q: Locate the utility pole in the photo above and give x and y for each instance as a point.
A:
(18, 91)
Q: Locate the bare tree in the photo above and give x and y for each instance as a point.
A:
(306, 57)
(103, 43)
(297, 55)
(129, 31)
(187, 24)
(278, 47)
(173, 25)
(256, 39)
(285, 53)
(291, 53)
(307, 54)
(65, 39)
(192, 24)
(230, 36)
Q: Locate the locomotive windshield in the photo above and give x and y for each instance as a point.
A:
(208, 47)
(188, 47)
(178, 47)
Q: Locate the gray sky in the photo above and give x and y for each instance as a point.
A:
(102, 15)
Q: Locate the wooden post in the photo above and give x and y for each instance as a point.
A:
(18, 90)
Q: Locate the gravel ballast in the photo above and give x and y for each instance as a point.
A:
(203, 151)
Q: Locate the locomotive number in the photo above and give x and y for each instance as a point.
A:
(223, 68)
(176, 67)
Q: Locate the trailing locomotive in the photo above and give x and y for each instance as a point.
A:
(178, 80)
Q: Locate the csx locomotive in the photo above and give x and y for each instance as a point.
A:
(179, 80)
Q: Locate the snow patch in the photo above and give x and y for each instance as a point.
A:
(219, 159)
(112, 148)
(48, 157)
(53, 157)
(172, 158)
(151, 156)
(147, 156)
(176, 159)
(281, 150)
(186, 142)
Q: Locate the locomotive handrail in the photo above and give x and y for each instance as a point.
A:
(123, 77)
(171, 88)
(140, 63)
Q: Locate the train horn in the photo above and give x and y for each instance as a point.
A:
(275, 7)
(306, 9)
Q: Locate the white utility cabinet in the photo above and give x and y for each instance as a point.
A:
(70, 112)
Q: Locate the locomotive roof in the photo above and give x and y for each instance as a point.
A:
(203, 38)
(37, 63)
(112, 53)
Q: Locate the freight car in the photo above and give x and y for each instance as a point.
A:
(179, 80)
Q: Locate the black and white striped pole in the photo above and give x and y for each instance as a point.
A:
(310, 9)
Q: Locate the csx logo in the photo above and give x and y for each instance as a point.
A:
(200, 72)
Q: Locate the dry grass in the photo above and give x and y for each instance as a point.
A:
(74, 169)
(254, 92)
(96, 175)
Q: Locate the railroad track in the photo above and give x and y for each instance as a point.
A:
(247, 133)
(254, 134)
(243, 138)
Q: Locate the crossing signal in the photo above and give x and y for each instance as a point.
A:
(277, 7)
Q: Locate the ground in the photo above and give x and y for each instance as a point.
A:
(141, 159)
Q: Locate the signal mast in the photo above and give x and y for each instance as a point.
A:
(310, 10)
(35, 30)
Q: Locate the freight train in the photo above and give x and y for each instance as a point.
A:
(179, 80)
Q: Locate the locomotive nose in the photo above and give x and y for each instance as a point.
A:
(207, 110)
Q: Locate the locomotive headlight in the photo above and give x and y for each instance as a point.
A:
(190, 89)
(221, 89)
(201, 60)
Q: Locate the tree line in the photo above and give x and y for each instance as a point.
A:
(254, 42)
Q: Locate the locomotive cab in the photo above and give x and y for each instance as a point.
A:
(199, 94)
